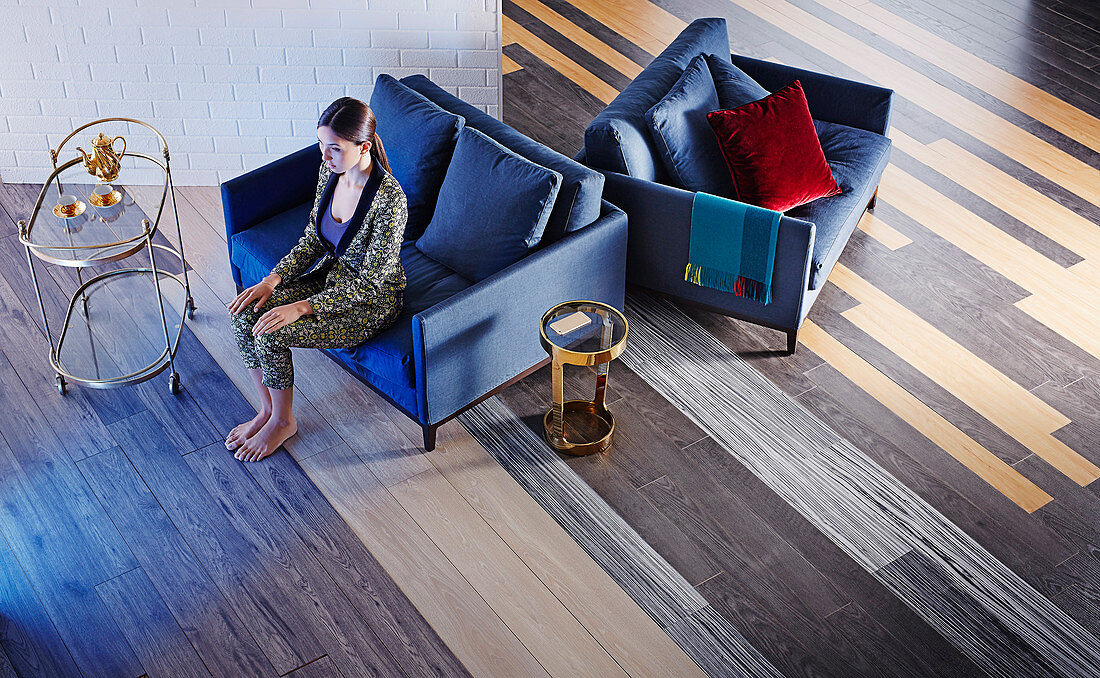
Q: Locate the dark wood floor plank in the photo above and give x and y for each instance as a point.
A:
(149, 627)
(573, 103)
(28, 637)
(373, 593)
(322, 668)
(1085, 610)
(261, 589)
(311, 594)
(208, 619)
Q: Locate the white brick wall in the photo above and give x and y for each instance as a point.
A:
(232, 84)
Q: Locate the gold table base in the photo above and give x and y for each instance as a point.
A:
(555, 430)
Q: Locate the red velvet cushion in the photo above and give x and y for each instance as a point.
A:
(772, 151)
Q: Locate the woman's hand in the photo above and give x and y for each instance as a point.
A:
(281, 316)
(259, 293)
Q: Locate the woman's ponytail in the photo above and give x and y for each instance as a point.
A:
(378, 152)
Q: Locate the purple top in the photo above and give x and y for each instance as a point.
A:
(337, 235)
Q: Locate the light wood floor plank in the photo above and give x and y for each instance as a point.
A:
(623, 629)
(988, 392)
(883, 232)
(986, 465)
(645, 24)
(545, 627)
(1047, 216)
(942, 101)
(513, 32)
(1014, 91)
(463, 620)
(509, 65)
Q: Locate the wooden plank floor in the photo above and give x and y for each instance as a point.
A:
(955, 345)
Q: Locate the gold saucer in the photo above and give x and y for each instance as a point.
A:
(108, 200)
(77, 210)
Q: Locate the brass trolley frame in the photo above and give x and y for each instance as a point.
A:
(110, 252)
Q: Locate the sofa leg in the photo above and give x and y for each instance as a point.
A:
(874, 200)
(792, 341)
(429, 438)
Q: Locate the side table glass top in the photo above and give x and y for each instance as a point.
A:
(599, 329)
(93, 233)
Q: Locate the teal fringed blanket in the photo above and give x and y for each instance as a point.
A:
(732, 247)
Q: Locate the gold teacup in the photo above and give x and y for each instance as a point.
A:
(69, 206)
(104, 195)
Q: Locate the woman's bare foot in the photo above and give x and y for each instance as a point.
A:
(268, 439)
(242, 432)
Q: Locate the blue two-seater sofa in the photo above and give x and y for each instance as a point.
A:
(466, 333)
(851, 120)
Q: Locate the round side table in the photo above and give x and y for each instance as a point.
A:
(586, 333)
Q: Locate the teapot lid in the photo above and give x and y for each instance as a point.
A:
(102, 140)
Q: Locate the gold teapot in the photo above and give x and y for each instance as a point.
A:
(104, 163)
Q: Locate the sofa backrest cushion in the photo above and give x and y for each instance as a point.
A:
(618, 139)
(688, 147)
(419, 138)
(578, 203)
(734, 86)
(492, 210)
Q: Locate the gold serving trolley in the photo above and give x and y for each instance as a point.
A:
(122, 326)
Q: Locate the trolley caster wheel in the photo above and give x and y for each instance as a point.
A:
(61, 384)
(174, 383)
(84, 306)
(191, 311)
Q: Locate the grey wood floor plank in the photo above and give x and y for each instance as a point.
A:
(322, 668)
(208, 619)
(261, 589)
(149, 627)
(27, 634)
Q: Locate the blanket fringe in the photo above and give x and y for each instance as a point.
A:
(737, 285)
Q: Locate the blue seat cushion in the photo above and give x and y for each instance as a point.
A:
(735, 88)
(618, 138)
(578, 202)
(492, 209)
(256, 250)
(419, 138)
(857, 159)
(684, 138)
(389, 355)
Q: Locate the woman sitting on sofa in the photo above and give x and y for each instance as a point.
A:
(354, 292)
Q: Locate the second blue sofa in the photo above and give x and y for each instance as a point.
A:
(459, 339)
(851, 119)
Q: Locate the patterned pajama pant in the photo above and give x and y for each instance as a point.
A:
(271, 351)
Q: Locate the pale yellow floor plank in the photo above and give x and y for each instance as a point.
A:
(582, 38)
(463, 620)
(883, 232)
(1055, 164)
(1014, 91)
(207, 201)
(545, 627)
(645, 24)
(1003, 402)
(513, 32)
(931, 425)
(509, 65)
(621, 627)
(1047, 216)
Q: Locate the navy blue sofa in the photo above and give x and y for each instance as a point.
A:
(458, 341)
(851, 119)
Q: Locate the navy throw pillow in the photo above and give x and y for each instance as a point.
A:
(419, 138)
(684, 138)
(493, 207)
(735, 88)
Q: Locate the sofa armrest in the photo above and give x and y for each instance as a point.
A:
(831, 99)
(660, 234)
(266, 191)
(471, 343)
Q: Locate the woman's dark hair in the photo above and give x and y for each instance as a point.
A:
(354, 121)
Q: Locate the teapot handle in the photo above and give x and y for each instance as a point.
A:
(123, 145)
